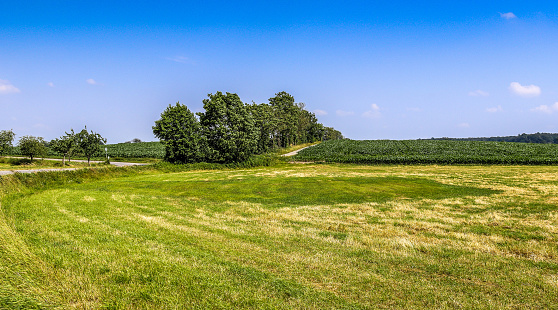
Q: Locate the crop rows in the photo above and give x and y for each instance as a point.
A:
(430, 152)
(136, 150)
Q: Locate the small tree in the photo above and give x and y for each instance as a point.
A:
(6, 140)
(65, 145)
(32, 146)
(89, 143)
(180, 132)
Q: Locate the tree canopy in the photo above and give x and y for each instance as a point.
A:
(65, 145)
(89, 143)
(6, 140)
(180, 132)
(230, 130)
(32, 146)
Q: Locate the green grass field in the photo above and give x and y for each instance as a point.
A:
(26, 164)
(285, 237)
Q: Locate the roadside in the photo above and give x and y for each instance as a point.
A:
(117, 164)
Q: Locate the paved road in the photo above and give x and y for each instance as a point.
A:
(117, 164)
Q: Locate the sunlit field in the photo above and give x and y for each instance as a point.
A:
(27, 164)
(287, 237)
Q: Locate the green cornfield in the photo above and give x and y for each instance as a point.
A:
(430, 152)
(136, 150)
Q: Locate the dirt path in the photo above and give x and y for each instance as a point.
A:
(293, 153)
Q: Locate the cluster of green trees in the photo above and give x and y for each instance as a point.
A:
(83, 143)
(539, 137)
(231, 131)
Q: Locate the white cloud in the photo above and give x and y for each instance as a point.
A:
(50, 84)
(7, 88)
(320, 112)
(374, 112)
(464, 125)
(478, 93)
(546, 109)
(508, 15)
(91, 82)
(495, 109)
(344, 113)
(525, 91)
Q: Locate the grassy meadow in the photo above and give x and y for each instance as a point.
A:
(299, 236)
(27, 164)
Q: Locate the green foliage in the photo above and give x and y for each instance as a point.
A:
(231, 131)
(265, 121)
(180, 133)
(32, 146)
(430, 152)
(6, 140)
(228, 128)
(136, 150)
(287, 115)
(331, 134)
(538, 137)
(89, 143)
(65, 145)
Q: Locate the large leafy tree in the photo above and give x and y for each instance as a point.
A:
(32, 146)
(6, 140)
(180, 132)
(228, 127)
(265, 121)
(65, 145)
(89, 143)
(286, 113)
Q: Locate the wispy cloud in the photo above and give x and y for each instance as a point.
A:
(50, 84)
(182, 60)
(495, 109)
(320, 112)
(6, 87)
(546, 109)
(344, 113)
(479, 93)
(373, 113)
(525, 91)
(91, 82)
(508, 15)
(463, 125)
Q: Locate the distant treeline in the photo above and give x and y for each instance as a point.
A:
(539, 137)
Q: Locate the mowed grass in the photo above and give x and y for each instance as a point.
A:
(27, 164)
(289, 237)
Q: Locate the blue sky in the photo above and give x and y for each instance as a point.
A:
(371, 69)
